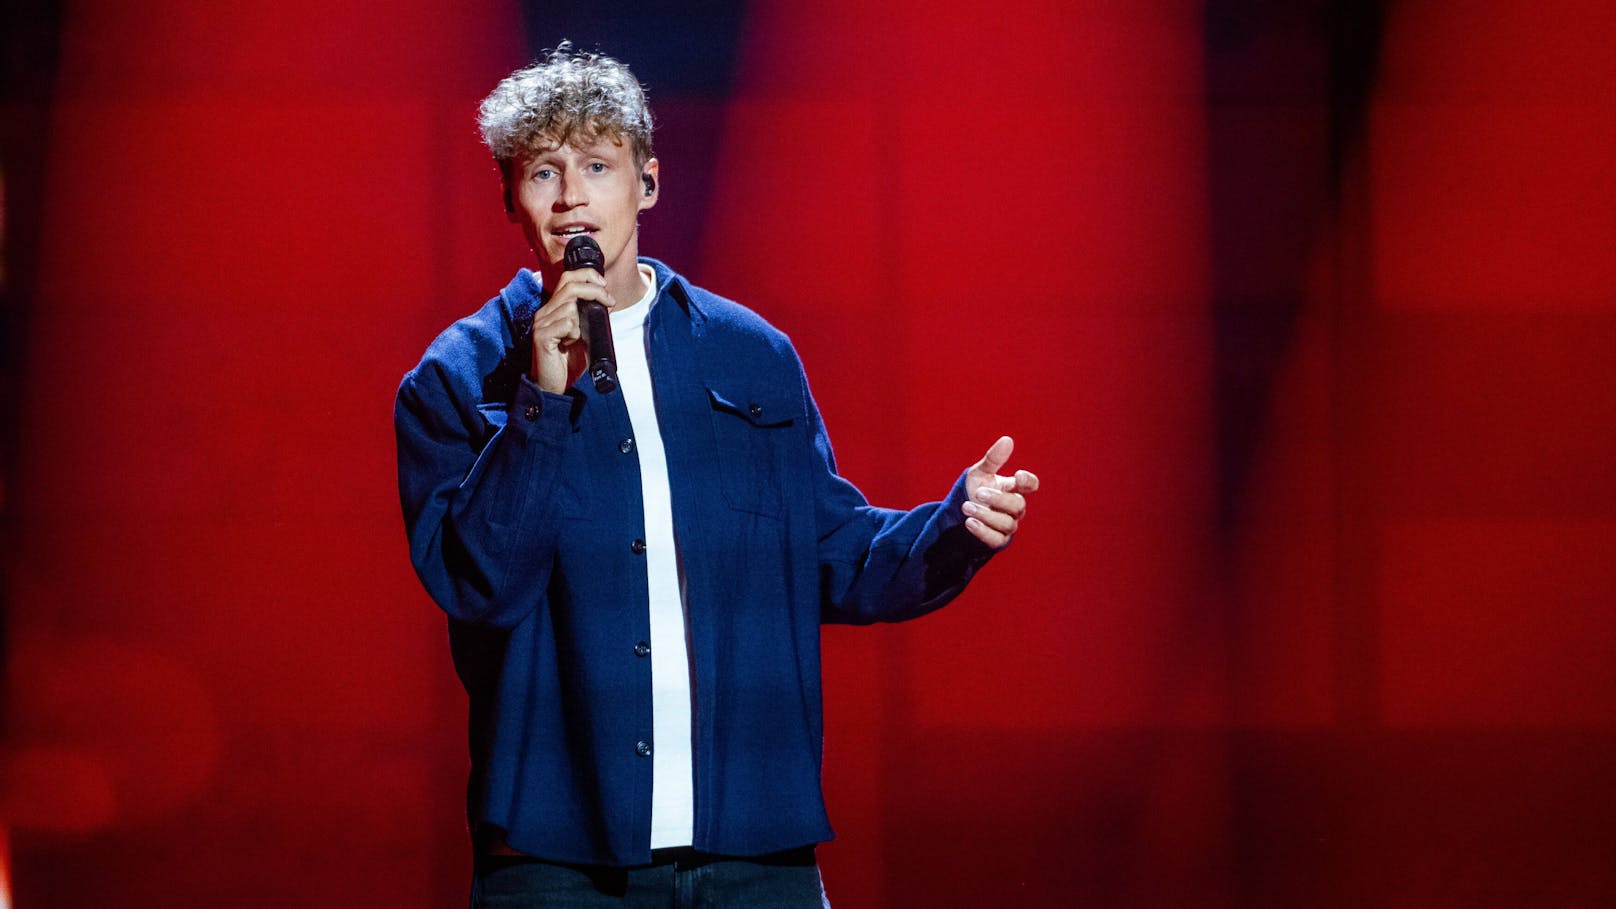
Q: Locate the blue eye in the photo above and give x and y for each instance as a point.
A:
(543, 173)
(597, 167)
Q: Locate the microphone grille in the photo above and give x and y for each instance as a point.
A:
(583, 252)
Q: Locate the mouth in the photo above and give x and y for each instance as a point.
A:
(568, 231)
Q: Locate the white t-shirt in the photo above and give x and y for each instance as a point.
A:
(672, 775)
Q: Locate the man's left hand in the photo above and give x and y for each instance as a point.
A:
(995, 504)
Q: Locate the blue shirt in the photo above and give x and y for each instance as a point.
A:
(524, 519)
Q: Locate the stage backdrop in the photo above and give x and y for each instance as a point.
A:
(1305, 314)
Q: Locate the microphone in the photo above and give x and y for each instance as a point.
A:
(584, 252)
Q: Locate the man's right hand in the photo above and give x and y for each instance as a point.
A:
(559, 354)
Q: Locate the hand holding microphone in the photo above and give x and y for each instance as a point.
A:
(583, 252)
(572, 331)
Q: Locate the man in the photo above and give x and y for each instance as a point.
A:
(635, 578)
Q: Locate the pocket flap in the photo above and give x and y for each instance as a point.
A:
(759, 410)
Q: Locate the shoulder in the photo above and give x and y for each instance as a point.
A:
(737, 328)
(472, 360)
(748, 365)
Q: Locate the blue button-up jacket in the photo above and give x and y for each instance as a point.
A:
(523, 514)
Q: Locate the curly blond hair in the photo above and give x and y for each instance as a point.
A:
(567, 97)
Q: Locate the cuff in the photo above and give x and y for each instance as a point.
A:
(535, 411)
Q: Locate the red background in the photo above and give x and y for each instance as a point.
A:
(1312, 338)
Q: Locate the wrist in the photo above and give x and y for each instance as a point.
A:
(542, 377)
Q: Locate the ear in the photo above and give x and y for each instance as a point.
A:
(651, 182)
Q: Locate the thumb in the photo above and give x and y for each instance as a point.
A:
(998, 455)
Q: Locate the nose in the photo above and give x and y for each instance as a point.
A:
(572, 192)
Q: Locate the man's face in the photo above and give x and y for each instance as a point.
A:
(594, 188)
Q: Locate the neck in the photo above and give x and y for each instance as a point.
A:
(628, 285)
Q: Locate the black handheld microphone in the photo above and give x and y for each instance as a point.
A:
(584, 252)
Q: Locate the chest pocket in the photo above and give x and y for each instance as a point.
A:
(751, 433)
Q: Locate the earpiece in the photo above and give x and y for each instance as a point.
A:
(650, 184)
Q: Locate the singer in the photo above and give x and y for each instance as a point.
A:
(635, 572)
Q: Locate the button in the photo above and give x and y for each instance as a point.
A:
(637, 547)
(532, 412)
(755, 409)
(642, 649)
(642, 748)
(625, 446)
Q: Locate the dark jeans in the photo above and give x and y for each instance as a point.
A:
(679, 879)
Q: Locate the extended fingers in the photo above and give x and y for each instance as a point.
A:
(1024, 481)
(988, 525)
(998, 520)
(993, 516)
(993, 538)
(997, 503)
(1001, 500)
